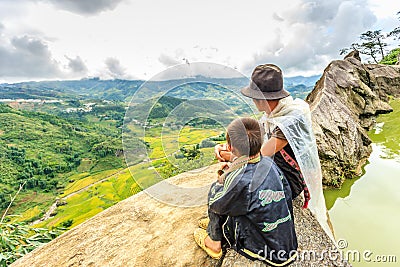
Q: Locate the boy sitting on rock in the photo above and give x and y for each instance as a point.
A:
(250, 206)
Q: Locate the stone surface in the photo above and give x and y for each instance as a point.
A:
(344, 104)
(355, 54)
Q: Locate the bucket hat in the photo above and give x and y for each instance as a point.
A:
(266, 83)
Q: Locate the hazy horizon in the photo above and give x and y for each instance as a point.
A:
(126, 39)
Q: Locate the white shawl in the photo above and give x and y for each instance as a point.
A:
(293, 117)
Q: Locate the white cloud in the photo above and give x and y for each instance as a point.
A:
(115, 70)
(76, 65)
(191, 70)
(82, 7)
(144, 37)
(168, 61)
(312, 33)
(384, 8)
(85, 7)
(277, 17)
(27, 57)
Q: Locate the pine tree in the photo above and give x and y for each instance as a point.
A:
(373, 45)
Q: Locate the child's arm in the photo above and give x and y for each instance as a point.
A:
(273, 145)
(232, 197)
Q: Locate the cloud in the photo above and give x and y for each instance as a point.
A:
(277, 17)
(82, 7)
(1, 27)
(206, 69)
(114, 69)
(85, 7)
(311, 11)
(168, 61)
(312, 32)
(76, 65)
(193, 54)
(27, 57)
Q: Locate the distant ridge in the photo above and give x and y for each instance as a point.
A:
(122, 90)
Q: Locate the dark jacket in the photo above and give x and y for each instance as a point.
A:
(257, 200)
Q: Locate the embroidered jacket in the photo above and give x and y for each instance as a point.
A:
(257, 200)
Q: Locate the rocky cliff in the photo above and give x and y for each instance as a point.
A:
(142, 231)
(344, 104)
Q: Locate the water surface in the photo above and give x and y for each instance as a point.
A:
(366, 211)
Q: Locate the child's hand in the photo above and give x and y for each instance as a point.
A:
(222, 152)
(221, 171)
(224, 166)
(217, 150)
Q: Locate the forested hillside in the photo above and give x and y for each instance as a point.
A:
(41, 149)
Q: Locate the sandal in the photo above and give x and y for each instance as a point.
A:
(200, 236)
(203, 223)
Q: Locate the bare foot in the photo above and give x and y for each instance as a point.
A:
(213, 245)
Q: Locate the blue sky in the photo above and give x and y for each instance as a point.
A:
(136, 39)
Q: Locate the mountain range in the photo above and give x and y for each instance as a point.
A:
(122, 90)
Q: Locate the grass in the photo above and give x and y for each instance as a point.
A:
(164, 142)
(86, 180)
(79, 208)
(29, 215)
(88, 203)
(107, 163)
(29, 201)
(86, 165)
(192, 136)
(144, 174)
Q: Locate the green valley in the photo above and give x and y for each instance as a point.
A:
(64, 141)
(43, 151)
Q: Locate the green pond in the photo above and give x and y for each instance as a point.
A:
(365, 212)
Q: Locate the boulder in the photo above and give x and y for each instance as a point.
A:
(354, 54)
(344, 104)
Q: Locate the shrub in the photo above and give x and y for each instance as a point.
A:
(391, 58)
(67, 223)
(207, 143)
